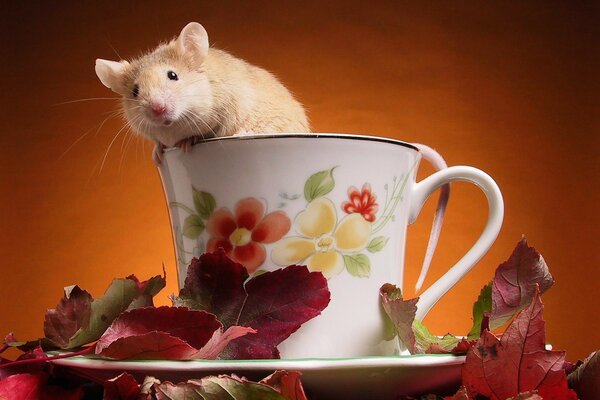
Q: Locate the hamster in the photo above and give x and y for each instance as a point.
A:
(184, 90)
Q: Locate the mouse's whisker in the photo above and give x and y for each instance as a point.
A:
(99, 127)
(90, 99)
(190, 113)
(195, 129)
(110, 146)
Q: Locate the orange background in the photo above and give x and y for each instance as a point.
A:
(511, 89)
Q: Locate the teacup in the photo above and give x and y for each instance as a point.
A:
(340, 204)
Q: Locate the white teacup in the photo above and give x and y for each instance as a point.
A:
(339, 204)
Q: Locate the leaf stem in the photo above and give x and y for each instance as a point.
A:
(181, 205)
(85, 351)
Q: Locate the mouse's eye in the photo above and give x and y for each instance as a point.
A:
(172, 76)
(135, 90)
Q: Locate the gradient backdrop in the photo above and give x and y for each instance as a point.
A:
(511, 89)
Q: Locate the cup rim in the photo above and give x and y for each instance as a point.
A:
(308, 135)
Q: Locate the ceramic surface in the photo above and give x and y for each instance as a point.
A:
(339, 204)
(357, 378)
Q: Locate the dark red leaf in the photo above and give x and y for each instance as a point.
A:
(286, 383)
(401, 312)
(78, 319)
(585, 380)
(516, 363)
(215, 283)
(169, 333)
(72, 313)
(515, 281)
(275, 303)
(122, 387)
(35, 387)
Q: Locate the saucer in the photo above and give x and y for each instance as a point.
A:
(348, 378)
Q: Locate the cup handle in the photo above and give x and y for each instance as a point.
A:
(422, 190)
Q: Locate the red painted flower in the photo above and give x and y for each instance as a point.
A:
(242, 234)
(362, 201)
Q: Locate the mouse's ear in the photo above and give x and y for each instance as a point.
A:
(193, 41)
(110, 73)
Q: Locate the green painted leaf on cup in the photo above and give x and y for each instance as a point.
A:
(193, 226)
(319, 184)
(204, 203)
(358, 265)
(377, 244)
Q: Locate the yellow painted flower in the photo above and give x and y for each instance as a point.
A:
(324, 241)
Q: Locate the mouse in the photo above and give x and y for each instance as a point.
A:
(184, 91)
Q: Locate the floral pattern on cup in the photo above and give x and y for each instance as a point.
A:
(325, 242)
(243, 233)
(362, 201)
(329, 244)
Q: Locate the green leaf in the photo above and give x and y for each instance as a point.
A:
(79, 320)
(193, 226)
(480, 307)
(377, 244)
(117, 298)
(358, 265)
(204, 203)
(424, 339)
(319, 184)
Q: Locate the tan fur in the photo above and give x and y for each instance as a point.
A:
(218, 95)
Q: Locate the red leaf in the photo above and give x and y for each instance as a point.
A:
(72, 312)
(585, 380)
(275, 303)
(462, 394)
(514, 284)
(215, 283)
(528, 396)
(122, 387)
(286, 383)
(516, 363)
(79, 319)
(401, 312)
(35, 387)
(169, 333)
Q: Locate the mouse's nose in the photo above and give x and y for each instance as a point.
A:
(158, 109)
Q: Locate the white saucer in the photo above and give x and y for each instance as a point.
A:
(347, 378)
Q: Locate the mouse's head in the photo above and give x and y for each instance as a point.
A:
(166, 95)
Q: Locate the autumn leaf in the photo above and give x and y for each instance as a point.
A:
(512, 288)
(166, 333)
(515, 282)
(221, 387)
(286, 383)
(122, 387)
(78, 319)
(35, 387)
(411, 332)
(401, 312)
(585, 380)
(518, 362)
(70, 315)
(274, 303)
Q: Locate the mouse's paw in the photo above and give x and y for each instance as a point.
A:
(157, 153)
(186, 144)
